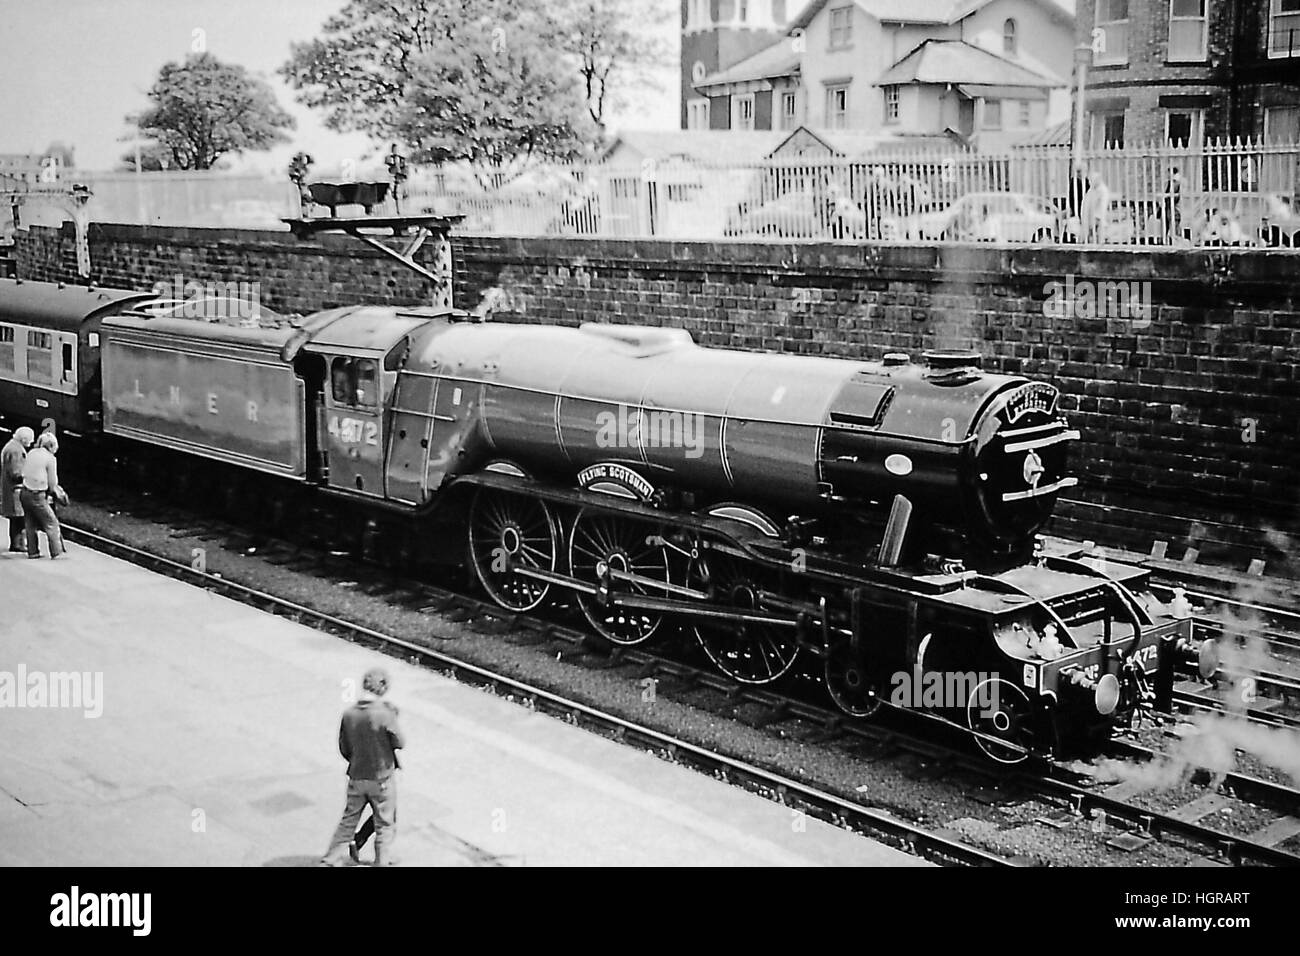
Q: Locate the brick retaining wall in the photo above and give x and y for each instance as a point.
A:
(1191, 422)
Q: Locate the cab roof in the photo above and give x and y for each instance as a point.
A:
(362, 330)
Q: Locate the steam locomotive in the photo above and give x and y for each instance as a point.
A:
(877, 519)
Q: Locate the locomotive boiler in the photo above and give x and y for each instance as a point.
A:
(983, 456)
(870, 519)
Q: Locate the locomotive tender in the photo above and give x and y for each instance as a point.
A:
(877, 518)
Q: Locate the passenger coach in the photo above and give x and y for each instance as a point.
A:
(49, 351)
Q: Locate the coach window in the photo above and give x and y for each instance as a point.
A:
(67, 363)
(40, 363)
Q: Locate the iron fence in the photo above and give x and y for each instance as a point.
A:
(1243, 193)
(1219, 193)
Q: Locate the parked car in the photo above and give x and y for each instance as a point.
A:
(1281, 221)
(1220, 227)
(982, 217)
(801, 214)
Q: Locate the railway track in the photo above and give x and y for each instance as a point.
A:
(798, 794)
(1066, 796)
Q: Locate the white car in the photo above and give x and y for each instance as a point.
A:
(983, 217)
(801, 214)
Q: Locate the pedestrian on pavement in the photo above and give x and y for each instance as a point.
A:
(367, 829)
(40, 487)
(369, 739)
(12, 457)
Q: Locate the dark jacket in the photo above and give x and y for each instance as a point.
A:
(368, 739)
(12, 457)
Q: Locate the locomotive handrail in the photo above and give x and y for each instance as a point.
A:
(1006, 587)
(1124, 592)
(1068, 434)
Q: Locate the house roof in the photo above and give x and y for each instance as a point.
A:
(705, 145)
(779, 59)
(956, 61)
(923, 11)
(854, 144)
(1058, 135)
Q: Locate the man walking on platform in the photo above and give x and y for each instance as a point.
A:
(369, 739)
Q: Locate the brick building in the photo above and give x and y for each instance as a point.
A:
(716, 35)
(1185, 71)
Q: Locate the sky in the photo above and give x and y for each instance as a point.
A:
(72, 70)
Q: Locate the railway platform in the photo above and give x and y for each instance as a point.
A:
(203, 732)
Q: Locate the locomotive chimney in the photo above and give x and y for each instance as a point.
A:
(951, 363)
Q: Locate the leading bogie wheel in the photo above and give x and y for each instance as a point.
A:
(1000, 711)
(852, 687)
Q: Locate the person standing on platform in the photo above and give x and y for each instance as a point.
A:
(369, 739)
(40, 485)
(12, 458)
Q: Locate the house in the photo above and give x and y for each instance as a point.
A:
(33, 169)
(989, 69)
(716, 35)
(987, 99)
(1184, 71)
(760, 92)
(807, 143)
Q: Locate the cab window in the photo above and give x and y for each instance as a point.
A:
(340, 381)
(367, 390)
(355, 382)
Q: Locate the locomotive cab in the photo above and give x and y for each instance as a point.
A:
(351, 360)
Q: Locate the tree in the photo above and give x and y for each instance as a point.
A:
(153, 158)
(609, 42)
(358, 71)
(203, 109)
(384, 67)
(495, 95)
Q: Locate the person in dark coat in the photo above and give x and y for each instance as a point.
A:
(12, 459)
(369, 738)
